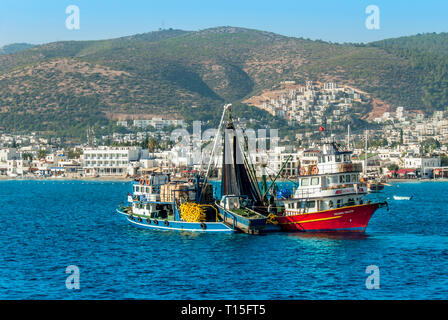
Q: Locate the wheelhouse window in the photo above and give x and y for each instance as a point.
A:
(311, 204)
(341, 179)
(315, 181)
(347, 178)
(338, 158)
(305, 182)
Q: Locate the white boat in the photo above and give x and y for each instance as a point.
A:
(402, 198)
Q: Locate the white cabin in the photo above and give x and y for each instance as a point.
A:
(333, 183)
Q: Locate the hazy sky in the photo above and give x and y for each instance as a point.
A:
(40, 21)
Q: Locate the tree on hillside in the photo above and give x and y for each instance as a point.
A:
(393, 167)
(41, 154)
(444, 160)
(153, 144)
(27, 156)
(430, 144)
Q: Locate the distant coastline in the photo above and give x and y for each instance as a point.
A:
(419, 180)
(106, 178)
(122, 179)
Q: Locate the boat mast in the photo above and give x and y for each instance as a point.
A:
(215, 143)
(217, 137)
(365, 151)
(348, 137)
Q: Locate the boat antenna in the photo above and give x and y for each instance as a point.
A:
(366, 151)
(348, 137)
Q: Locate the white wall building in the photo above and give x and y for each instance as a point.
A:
(108, 161)
(8, 154)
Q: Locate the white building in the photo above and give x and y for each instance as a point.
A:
(157, 123)
(8, 154)
(425, 164)
(17, 167)
(108, 161)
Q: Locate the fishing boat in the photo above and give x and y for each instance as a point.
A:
(330, 196)
(158, 203)
(241, 205)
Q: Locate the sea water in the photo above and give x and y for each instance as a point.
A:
(47, 226)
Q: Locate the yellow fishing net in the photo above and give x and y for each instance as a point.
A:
(192, 212)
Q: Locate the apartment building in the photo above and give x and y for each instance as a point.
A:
(111, 161)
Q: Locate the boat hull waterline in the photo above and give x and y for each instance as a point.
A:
(348, 219)
(166, 225)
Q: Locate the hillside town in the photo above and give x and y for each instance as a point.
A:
(400, 150)
(313, 103)
(404, 144)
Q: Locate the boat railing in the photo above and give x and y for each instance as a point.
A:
(324, 168)
(307, 192)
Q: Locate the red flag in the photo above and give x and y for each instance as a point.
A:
(321, 128)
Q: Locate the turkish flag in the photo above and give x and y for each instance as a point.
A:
(321, 128)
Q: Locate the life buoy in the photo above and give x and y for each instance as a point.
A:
(139, 219)
(348, 167)
(148, 182)
(315, 170)
(131, 217)
(203, 226)
(166, 223)
(148, 221)
(302, 171)
(141, 181)
(155, 221)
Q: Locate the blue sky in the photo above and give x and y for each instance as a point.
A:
(41, 21)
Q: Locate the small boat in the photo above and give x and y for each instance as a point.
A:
(158, 203)
(402, 198)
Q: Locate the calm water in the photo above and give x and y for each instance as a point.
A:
(47, 226)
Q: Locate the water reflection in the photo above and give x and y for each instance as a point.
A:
(329, 235)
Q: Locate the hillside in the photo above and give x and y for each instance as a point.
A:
(428, 57)
(73, 84)
(15, 47)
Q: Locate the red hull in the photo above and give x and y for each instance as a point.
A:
(351, 219)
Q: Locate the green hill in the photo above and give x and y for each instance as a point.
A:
(428, 57)
(15, 47)
(65, 86)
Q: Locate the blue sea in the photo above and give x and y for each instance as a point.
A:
(47, 226)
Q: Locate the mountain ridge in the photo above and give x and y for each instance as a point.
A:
(167, 71)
